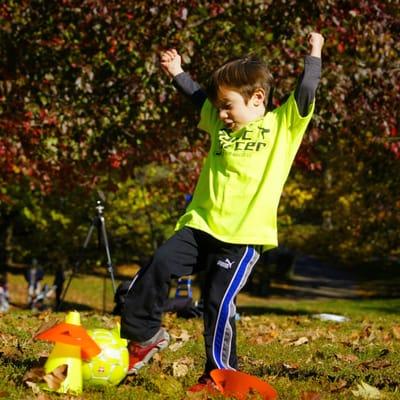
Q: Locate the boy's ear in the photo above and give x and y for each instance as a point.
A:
(258, 97)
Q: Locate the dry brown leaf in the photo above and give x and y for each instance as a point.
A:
(286, 341)
(182, 366)
(175, 346)
(34, 375)
(290, 366)
(45, 315)
(368, 333)
(4, 393)
(396, 332)
(45, 326)
(354, 337)
(265, 338)
(10, 346)
(347, 357)
(375, 364)
(387, 337)
(156, 360)
(300, 341)
(130, 379)
(183, 336)
(61, 371)
(7, 338)
(310, 396)
(43, 396)
(179, 370)
(339, 385)
(35, 388)
(52, 381)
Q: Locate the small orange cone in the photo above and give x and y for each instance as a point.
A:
(239, 385)
(75, 335)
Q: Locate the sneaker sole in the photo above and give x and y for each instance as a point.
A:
(160, 346)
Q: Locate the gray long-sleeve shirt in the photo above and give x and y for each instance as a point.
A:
(304, 92)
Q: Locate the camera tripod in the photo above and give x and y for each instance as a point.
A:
(98, 223)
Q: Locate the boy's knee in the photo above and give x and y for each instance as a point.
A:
(161, 262)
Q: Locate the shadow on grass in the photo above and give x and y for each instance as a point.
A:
(70, 305)
(381, 305)
(262, 310)
(66, 306)
(22, 364)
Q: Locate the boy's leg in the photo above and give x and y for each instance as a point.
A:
(227, 273)
(142, 311)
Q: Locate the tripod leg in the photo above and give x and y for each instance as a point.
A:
(108, 254)
(77, 264)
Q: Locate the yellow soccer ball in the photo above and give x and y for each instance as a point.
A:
(111, 365)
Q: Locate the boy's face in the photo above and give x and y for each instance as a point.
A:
(233, 110)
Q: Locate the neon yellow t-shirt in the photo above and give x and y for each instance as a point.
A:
(238, 191)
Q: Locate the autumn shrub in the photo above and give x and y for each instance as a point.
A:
(83, 106)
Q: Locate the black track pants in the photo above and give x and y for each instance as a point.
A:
(227, 267)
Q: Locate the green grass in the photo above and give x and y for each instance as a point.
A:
(332, 360)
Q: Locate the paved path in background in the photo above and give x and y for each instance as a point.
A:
(314, 279)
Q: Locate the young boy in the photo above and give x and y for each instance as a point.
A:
(232, 215)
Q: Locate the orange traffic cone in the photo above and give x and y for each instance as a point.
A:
(239, 385)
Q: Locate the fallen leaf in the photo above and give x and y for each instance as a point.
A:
(368, 334)
(4, 393)
(347, 357)
(43, 396)
(265, 339)
(34, 375)
(300, 341)
(61, 371)
(183, 336)
(157, 357)
(339, 385)
(35, 388)
(45, 326)
(9, 346)
(181, 367)
(290, 366)
(396, 332)
(180, 340)
(310, 396)
(375, 364)
(45, 315)
(179, 370)
(53, 379)
(175, 346)
(366, 391)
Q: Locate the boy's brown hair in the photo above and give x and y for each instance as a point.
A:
(244, 75)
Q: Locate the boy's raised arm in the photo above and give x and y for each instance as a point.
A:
(316, 41)
(309, 80)
(171, 63)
